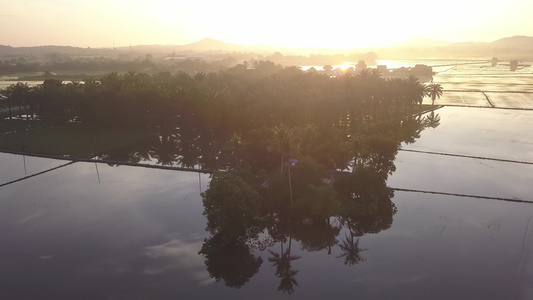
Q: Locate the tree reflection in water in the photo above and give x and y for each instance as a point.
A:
(351, 250)
(251, 211)
(232, 261)
(248, 206)
(284, 271)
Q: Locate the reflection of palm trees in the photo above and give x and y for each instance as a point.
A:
(350, 246)
(165, 150)
(284, 269)
(288, 281)
(350, 250)
(432, 120)
(316, 234)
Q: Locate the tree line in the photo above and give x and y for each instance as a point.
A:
(242, 110)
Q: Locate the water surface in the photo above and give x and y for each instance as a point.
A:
(87, 231)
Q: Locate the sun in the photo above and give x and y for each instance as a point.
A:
(346, 65)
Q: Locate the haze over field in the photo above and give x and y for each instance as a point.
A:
(331, 24)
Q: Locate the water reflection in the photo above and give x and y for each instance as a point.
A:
(138, 234)
(15, 167)
(242, 219)
(282, 262)
(248, 213)
(252, 223)
(233, 262)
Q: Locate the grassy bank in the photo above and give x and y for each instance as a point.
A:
(74, 140)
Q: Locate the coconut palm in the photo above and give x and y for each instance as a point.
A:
(282, 142)
(5, 93)
(307, 135)
(375, 74)
(18, 93)
(234, 148)
(415, 89)
(356, 149)
(433, 90)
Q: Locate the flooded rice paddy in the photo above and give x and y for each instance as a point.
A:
(95, 231)
(480, 84)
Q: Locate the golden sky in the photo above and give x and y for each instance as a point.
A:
(331, 23)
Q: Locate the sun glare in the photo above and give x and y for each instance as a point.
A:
(337, 24)
(346, 66)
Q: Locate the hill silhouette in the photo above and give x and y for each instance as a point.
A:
(515, 47)
(518, 41)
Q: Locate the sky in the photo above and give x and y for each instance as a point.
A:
(289, 23)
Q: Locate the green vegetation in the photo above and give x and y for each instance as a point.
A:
(71, 140)
(8, 127)
(299, 155)
(198, 116)
(231, 204)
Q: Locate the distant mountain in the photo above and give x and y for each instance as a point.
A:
(518, 41)
(210, 44)
(516, 47)
(40, 51)
(423, 42)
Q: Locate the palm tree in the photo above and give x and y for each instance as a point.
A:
(283, 143)
(433, 90)
(416, 90)
(375, 74)
(234, 147)
(17, 92)
(6, 94)
(357, 149)
(307, 135)
(52, 100)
